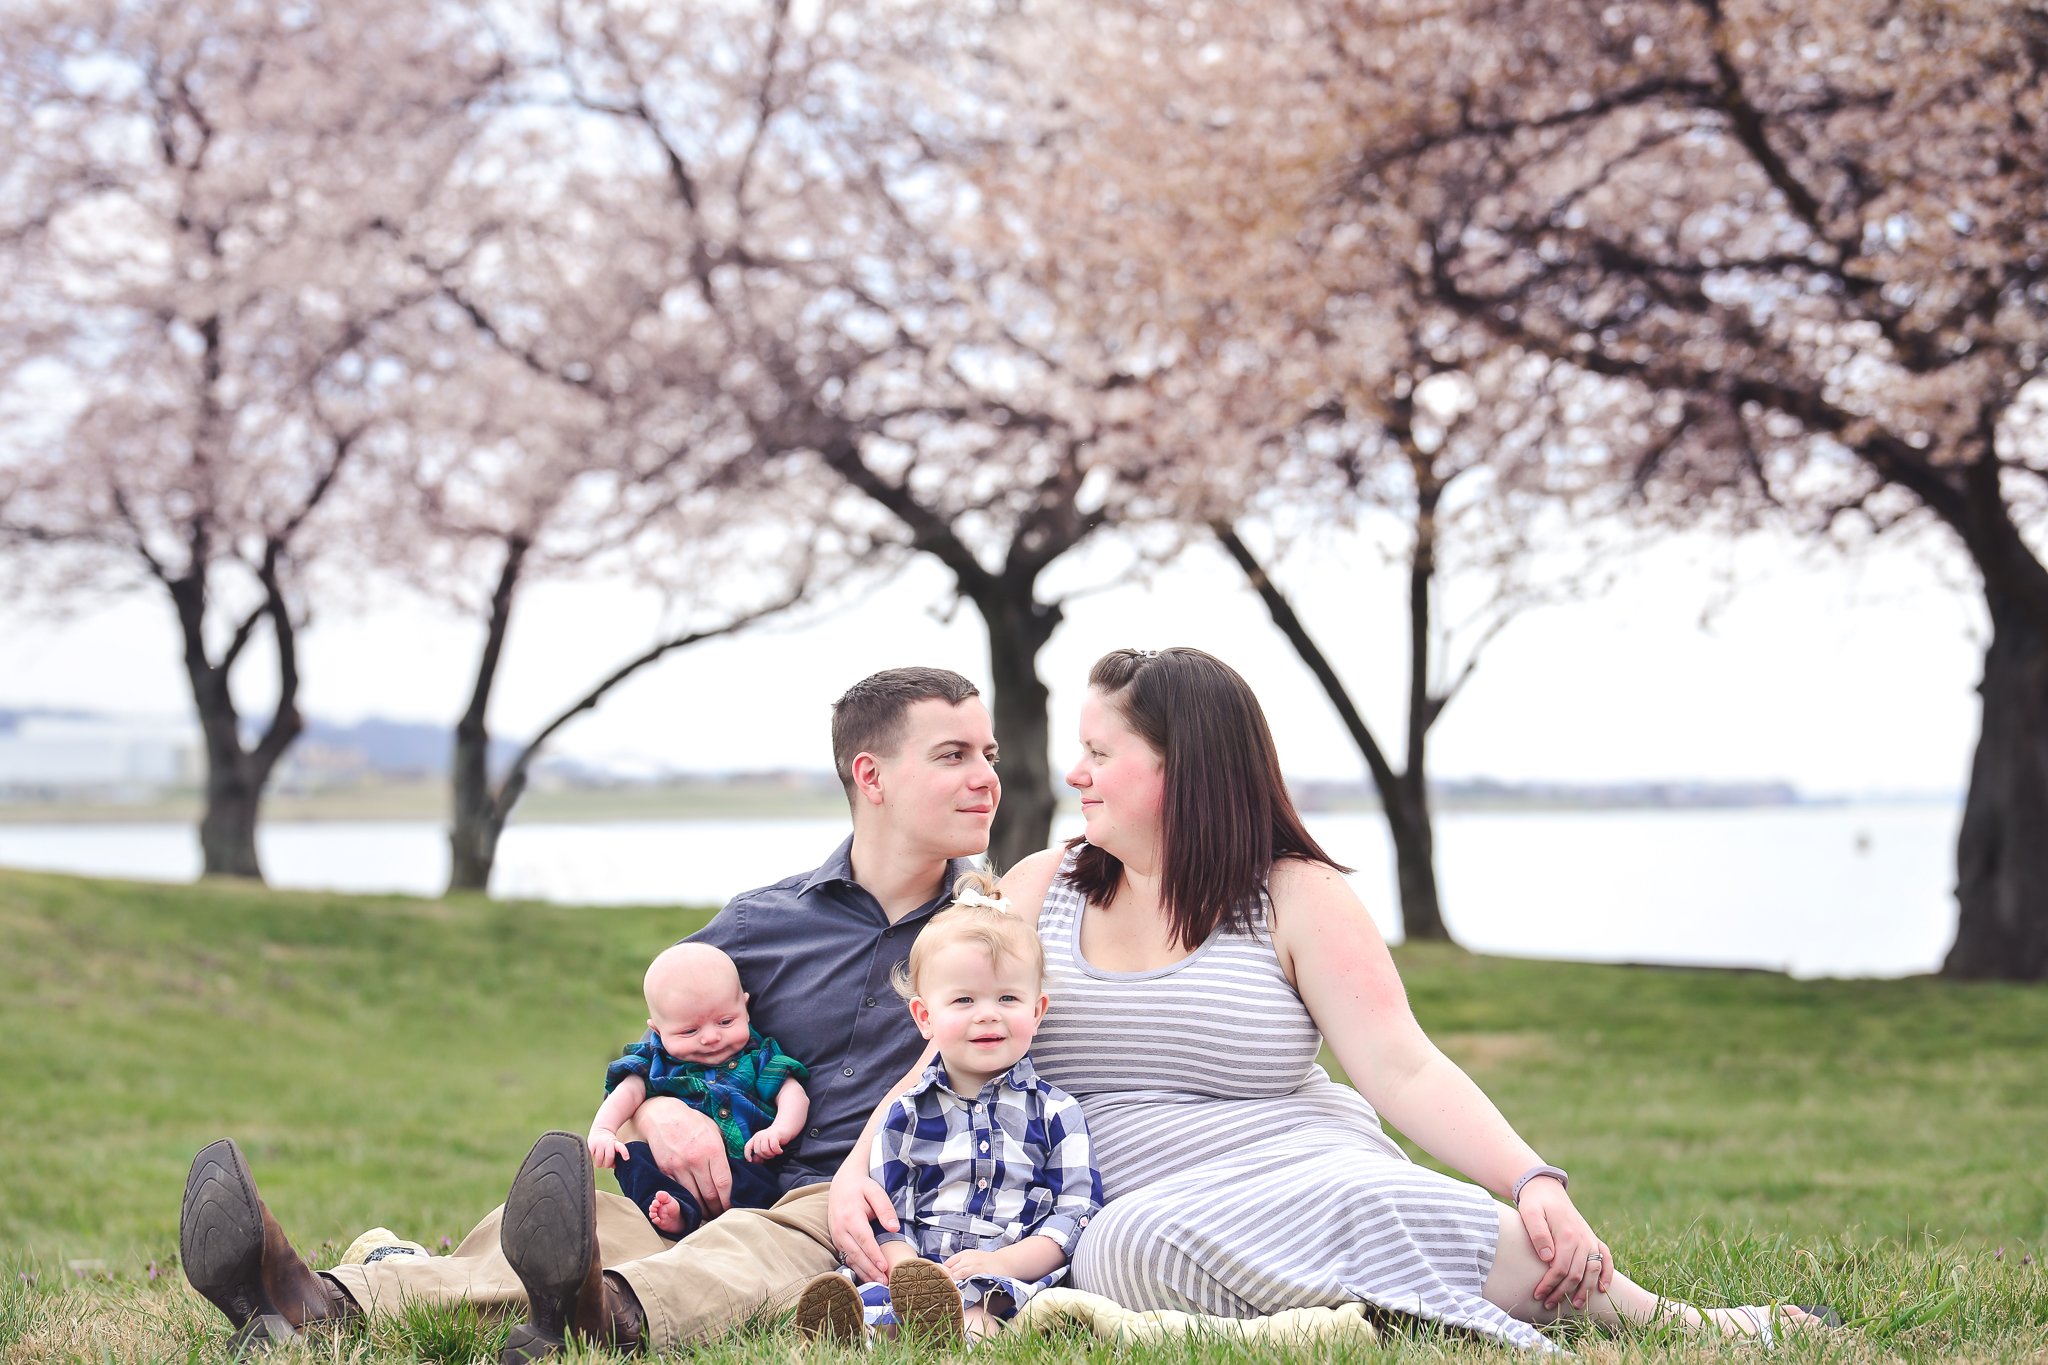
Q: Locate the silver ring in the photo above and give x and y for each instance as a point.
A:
(1594, 1258)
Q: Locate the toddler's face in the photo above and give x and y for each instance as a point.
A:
(982, 1012)
(700, 1025)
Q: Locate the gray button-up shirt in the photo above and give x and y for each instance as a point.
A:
(815, 952)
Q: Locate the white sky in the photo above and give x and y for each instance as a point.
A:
(1841, 675)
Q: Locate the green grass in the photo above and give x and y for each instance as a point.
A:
(1876, 1145)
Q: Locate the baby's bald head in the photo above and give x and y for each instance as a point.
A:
(695, 1003)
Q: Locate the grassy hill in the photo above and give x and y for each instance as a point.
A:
(387, 1060)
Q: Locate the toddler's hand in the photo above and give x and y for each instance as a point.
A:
(605, 1148)
(962, 1264)
(764, 1146)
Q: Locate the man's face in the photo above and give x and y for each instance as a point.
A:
(940, 788)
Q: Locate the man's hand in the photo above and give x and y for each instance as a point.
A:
(689, 1149)
(854, 1205)
(605, 1148)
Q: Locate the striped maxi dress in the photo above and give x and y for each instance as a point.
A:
(1240, 1179)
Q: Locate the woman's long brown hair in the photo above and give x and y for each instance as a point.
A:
(1226, 817)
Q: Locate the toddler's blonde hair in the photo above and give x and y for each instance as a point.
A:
(991, 928)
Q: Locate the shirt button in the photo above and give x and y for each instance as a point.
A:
(888, 933)
(984, 1146)
(870, 1000)
(814, 1132)
(727, 1113)
(847, 1071)
(981, 1184)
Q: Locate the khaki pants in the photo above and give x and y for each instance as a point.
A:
(740, 1263)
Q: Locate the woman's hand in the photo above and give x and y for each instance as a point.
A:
(854, 1206)
(1579, 1262)
(689, 1149)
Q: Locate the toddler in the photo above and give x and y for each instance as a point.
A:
(988, 1166)
(700, 1049)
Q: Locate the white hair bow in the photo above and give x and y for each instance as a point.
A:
(971, 897)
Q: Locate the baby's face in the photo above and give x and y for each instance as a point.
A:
(699, 1025)
(981, 1011)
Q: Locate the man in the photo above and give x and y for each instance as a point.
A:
(916, 754)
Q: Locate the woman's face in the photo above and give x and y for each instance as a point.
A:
(1122, 781)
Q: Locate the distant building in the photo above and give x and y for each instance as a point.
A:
(67, 753)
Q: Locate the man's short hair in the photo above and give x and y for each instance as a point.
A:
(869, 718)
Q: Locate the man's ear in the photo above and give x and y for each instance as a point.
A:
(920, 1016)
(867, 778)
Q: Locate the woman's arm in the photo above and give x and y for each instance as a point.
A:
(1333, 952)
(857, 1201)
(1337, 960)
(1024, 886)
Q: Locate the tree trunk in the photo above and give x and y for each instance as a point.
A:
(1018, 627)
(227, 828)
(2002, 854)
(234, 783)
(478, 814)
(473, 840)
(1408, 820)
(1404, 797)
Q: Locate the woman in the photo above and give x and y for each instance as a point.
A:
(1200, 946)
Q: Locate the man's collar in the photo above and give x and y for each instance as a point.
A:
(1022, 1076)
(839, 868)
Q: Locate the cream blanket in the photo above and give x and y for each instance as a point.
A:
(1052, 1308)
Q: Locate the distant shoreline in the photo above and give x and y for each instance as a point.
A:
(781, 798)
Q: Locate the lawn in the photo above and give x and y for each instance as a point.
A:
(385, 1060)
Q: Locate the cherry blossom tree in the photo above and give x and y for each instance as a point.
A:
(196, 242)
(1820, 228)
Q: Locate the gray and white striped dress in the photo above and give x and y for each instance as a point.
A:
(1240, 1179)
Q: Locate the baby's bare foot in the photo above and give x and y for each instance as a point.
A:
(666, 1214)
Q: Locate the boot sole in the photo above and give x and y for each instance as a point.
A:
(548, 1234)
(220, 1234)
(927, 1303)
(830, 1310)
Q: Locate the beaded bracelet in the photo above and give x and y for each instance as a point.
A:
(1515, 1194)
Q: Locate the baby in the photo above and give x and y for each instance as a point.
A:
(988, 1166)
(699, 1049)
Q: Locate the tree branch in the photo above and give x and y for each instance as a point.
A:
(1282, 611)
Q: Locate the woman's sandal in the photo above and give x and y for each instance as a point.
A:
(1760, 1318)
(927, 1302)
(830, 1310)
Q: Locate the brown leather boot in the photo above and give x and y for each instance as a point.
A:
(236, 1255)
(549, 1234)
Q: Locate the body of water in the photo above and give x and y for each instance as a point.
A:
(1814, 891)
